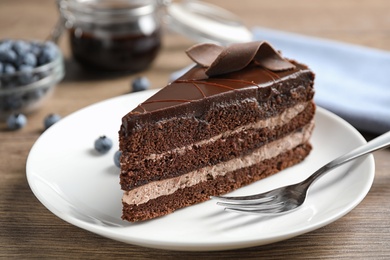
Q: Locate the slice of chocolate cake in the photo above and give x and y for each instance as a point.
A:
(241, 114)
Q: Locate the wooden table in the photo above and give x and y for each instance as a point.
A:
(29, 230)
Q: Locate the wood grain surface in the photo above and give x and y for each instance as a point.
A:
(28, 230)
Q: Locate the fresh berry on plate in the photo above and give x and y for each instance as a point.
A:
(103, 144)
(117, 157)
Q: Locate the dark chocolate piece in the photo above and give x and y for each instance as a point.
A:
(219, 60)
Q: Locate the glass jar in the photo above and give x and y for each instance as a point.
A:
(115, 35)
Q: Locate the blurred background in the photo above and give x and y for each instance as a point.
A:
(348, 21)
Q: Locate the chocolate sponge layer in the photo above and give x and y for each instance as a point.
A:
(218, 186)
(164, 135)
(170, 165)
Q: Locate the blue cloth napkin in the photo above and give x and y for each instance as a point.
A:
(351, 81)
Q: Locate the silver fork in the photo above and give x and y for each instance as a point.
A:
(285, 199)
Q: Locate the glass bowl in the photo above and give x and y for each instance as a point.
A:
(25, 91)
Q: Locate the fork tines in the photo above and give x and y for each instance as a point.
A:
(250, 204)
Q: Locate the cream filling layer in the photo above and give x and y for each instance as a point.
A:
(156, 189)
(269, 123)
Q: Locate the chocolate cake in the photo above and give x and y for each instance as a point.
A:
(242, 113)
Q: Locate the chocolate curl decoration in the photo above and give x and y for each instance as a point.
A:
(221, 60)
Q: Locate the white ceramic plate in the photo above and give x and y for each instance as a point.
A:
(82, 187)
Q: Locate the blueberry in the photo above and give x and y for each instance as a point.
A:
(117, 158)
(50, 120)
(21, 47)
(5, 45)
(27, 76)
(48, 53)
(8, 56)
(8, 68)
(34, 94)
(16, 121)
(36, 49)
(50, 45)
(140, 84)
(29, 59)
(103, 144)
(13, 102)
(26, 68)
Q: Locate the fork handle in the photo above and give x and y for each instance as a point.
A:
(378, 143)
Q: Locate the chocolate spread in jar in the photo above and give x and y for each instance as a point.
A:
(115, 53)
(115, 35)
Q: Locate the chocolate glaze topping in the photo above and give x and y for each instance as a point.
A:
(258, 70)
